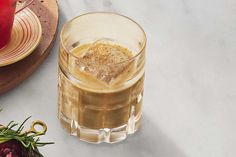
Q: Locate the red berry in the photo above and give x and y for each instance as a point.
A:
(12, 148)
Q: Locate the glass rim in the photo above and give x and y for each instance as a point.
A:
(112, 13)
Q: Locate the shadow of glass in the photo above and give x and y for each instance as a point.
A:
(149, 141)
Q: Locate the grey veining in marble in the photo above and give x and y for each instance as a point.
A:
(190, 88)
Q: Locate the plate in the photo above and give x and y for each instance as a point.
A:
(25, 37)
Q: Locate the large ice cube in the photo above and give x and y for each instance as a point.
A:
(106, 61)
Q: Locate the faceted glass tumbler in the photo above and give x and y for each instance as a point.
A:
(101, 102)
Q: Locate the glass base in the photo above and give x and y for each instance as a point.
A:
(107, 135)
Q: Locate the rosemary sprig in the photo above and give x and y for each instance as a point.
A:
(29, 141)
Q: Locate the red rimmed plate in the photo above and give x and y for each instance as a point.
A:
(26, 35)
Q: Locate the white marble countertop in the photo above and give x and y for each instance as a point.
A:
(190, 88)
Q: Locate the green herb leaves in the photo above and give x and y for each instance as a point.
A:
(30, 141)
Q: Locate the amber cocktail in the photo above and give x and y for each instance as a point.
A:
(101, 76)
